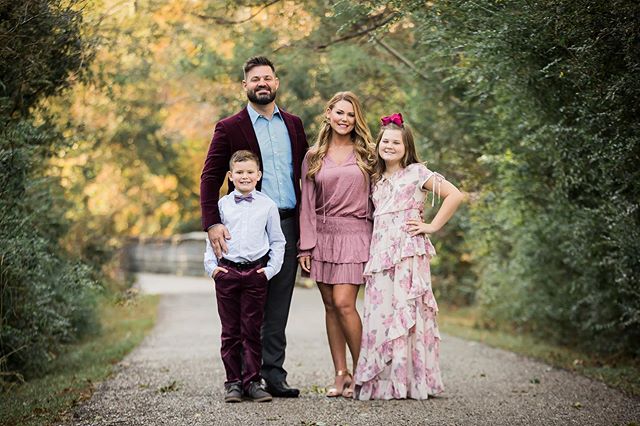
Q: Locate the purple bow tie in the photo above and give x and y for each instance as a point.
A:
(239, 198)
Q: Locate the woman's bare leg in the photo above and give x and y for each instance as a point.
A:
(344, 301)
(335, 335)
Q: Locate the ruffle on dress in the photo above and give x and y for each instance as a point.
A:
(396, 363)
(341, 250)
(409, 367)
(342, 240)
(337, 273)
(393, 242)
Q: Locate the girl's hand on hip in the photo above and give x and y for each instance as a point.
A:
(305, 263)
(417, 227)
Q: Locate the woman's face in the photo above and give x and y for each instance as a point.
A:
(342, 117)
(391, 147)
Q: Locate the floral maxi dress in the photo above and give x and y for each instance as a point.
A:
(399, 357)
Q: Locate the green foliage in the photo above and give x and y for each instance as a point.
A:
(453, 279)
(70, 377)
(46, 298)
(40, 46)
(551, 93)
(531, 108)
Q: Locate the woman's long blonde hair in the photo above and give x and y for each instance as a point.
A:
(360, 135)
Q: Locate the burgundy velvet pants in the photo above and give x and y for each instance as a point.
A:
(241, 296)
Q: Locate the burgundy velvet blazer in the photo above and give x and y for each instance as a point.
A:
(232, 134)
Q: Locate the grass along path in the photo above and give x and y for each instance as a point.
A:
(72, 374)
(617, 372)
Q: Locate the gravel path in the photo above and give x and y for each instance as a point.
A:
(175, 378)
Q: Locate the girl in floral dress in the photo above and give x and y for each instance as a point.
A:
(399, 356)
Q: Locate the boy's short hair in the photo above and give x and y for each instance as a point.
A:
(243, 155)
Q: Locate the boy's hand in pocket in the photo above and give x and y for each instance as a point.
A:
(218, 269)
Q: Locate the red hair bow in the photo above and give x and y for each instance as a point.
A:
(393, 118)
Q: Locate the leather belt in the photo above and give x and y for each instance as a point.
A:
(244, 266)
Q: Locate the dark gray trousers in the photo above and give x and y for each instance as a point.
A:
(276, 311)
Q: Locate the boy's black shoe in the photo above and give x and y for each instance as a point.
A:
(233, 392)
(256, 393)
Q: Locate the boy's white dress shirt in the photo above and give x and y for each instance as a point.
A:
(255, 231)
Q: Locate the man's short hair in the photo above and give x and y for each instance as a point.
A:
(243, 155)
(257, 61)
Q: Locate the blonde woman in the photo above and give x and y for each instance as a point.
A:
(336, 226)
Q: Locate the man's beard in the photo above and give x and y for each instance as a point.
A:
(262, 99)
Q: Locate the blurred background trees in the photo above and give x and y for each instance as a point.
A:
(47, 297)
(531, 108)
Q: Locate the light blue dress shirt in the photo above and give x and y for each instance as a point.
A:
(277, 162)
(255, 231)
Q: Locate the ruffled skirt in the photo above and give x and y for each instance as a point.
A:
(341, 251)
(399, 356)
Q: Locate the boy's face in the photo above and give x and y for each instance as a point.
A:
(245, 176)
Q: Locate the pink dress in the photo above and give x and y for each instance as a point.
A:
(335, 224)
(395, 362)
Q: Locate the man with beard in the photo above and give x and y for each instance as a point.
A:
(278, 139)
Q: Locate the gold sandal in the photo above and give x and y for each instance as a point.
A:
(333, 391)
(347, 392)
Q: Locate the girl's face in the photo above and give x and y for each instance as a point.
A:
(391, 148)
(342, 117)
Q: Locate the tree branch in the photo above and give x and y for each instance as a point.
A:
(399, 57)
(224, 21)
(362, 32)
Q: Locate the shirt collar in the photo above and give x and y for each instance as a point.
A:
(254, 115)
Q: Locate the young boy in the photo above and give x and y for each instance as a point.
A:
(255, 254)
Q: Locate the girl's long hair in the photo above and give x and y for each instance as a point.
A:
(410, 154)
(360, 135)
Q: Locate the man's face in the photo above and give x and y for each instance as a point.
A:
(261, 85)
